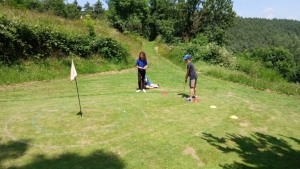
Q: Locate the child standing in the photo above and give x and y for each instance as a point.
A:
(191, 72)
(141, 64)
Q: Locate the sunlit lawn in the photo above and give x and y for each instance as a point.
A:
(124, 129)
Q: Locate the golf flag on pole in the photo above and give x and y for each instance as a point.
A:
(73, 76)
(73, 71)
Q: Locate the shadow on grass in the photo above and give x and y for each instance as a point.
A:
(79, 113)
(97, 159)
(257, 151)
(183, 95)
(12, 150)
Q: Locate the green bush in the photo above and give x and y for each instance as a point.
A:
(256, 69)
(110, 49)
(276, 58)
(210, 53)
(20, 39)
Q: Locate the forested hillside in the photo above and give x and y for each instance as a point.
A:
(250, 33)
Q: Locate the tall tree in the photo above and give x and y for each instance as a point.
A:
(128, 15)
(57, 7)
(162, 19)
(216, 17)
(98, 9)
(88, 9)
(188, 12)
(73, 11)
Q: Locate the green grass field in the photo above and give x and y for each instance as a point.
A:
(124, 129)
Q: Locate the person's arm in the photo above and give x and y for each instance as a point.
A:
(187, 75)
(137, 66)
(146, 66)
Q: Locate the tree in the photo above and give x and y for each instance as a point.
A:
(162, 19)
(98, 10)
(33, 4)
(73, 11)
(128, 15)
(57, 7)
(88, 10)
(188, 18)
(216, 17)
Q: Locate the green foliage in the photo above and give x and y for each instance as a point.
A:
(217, 16)
(90, 25)
(211, 53)
(257, 70)
(174, 21)
(221, 64)
(274, 42)
(98, 10)
(250, 33)
(110, 49)
(261, 83)
(22, 40)
(276, 58)
(71, 11)
(166, 30)
(128, 15)
(18, 4)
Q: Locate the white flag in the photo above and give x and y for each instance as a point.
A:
(73, 71)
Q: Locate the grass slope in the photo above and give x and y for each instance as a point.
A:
(124, 129)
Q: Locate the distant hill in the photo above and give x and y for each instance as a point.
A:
(249, 33)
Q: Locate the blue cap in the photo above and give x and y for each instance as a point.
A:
(187, 57)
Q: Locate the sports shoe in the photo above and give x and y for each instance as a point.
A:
(138, 90)
(144, 90)
(194, 97)
(188, 99)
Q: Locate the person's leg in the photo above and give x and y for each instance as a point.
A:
(139, 80)
(155, 85)
(192, 87)
(143, 73)
(192, 83)
(149, 87)
(195, 88)
(191, 92)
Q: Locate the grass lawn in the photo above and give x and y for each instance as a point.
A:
(124, 129)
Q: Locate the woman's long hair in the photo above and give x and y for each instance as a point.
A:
(142, 53)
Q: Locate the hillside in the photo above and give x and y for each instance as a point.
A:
(249, 33)
(38, 46)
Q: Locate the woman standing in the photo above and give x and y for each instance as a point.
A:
(141, 64)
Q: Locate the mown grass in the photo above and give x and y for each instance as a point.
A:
(124, 129)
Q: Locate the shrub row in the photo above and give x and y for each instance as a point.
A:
(21, 40)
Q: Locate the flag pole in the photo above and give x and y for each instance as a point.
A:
(73, 76)
(80, 112)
